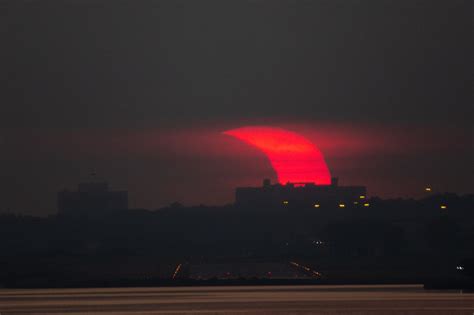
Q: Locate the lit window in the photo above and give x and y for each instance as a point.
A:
(341, 205)
(285, 202)
(366, 204)
(428, 189)
(356, 202)
(316, 205)
(443, 207)
(361, 196)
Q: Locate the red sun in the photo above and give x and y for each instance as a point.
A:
(294, 158)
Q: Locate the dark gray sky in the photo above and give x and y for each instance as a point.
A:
(77, 75)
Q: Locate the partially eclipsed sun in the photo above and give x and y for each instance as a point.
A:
(294, 158)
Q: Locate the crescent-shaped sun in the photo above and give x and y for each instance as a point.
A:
(294, 158)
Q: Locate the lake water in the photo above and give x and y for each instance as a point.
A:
(335, 300)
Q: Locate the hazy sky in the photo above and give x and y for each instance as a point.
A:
(139, 91)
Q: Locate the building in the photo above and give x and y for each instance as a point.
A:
(300, 194)
(91, 197)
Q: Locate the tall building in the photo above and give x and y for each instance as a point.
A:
(300, 194)
(91, 197)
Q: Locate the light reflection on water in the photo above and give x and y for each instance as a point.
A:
(335, 300)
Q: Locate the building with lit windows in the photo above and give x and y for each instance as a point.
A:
(300, 194)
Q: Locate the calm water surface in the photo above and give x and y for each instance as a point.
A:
(370, 299)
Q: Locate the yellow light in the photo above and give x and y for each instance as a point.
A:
(341, 205)
(366, 204)
(176, 271)
(443, 207)
(285, 202)
(428, 189)
(316, 205)
(361, 196)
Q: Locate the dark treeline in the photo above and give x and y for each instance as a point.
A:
(396, 241)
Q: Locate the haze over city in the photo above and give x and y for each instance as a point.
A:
(140, 93)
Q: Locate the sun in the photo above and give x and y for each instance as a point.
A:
(294, 158)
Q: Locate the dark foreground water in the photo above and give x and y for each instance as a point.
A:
(369, 299)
